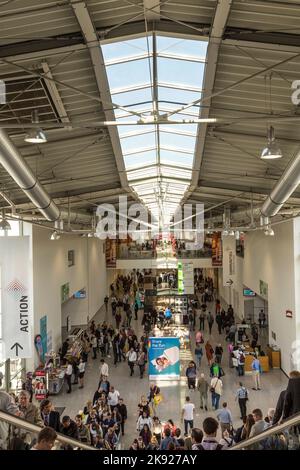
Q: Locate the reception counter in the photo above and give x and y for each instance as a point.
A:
(264, 361)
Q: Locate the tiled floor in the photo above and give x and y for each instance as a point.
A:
(131, 388)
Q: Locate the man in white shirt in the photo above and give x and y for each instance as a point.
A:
(216, 388)
(69, 373)
(113, 398)
(187, 415)
(103, 369)
(132, 358)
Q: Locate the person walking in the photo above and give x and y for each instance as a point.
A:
(225, 418)
(203, 390)
(219, 353)
(122, 409)
(216, 388)
(94, 343)
(209, 352)
(210, 321)
(187, 415)
(106, 303)
(81, 371)
(202, 320)
(242, 397)
(132, 358)
(219, 322)
(141, 362)
(191, 374)
(198, 354)
(68, 375)
(103, 368)
(256, 368)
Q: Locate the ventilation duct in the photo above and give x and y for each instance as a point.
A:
(283, 189)
(15, 165)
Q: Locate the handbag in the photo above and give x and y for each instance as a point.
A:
(157, 399)
(212, 389)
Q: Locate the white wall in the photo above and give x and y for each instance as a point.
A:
(161, 264)
(51, 271)
(271, 259)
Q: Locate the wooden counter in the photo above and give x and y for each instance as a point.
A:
(274, 358)
(264, 361)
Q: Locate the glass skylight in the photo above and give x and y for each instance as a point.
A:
(152, 76)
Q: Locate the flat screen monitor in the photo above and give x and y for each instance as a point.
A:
(249, 293)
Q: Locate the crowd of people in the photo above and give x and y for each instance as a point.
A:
(101, 422)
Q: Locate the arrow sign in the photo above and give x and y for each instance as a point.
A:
(16, 345)
(229, 282)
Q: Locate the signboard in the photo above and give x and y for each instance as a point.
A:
(80, 294)
(229, 262)
(216, 248)
(248, 293)
(164, 361)
(16, 296)
(180, 278)
(65, 292)
(40, 385)
(289, 314)
(263, 289)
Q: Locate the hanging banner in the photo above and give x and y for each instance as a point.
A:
(164, 361)
(229, 261)
(16, 289)
(216, 249)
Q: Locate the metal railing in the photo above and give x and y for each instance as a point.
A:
(32, 428)
(287, 433)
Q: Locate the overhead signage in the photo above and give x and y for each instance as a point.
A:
(229, 262)
(16, 288)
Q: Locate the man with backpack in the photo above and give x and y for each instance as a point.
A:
(242, 397)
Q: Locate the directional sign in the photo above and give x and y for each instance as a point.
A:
(16, 287)
(229, 282)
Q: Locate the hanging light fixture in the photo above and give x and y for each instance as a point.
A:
(4, 224)
(35, 136)
(269, 232)
(55, 235)
(272, 150)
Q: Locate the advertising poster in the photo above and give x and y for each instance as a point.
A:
(164, 363)
(40, 385)
(216, 248)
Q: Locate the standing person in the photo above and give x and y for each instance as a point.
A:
(225, 418)
(198, 354)
(191, 319)
(191, 374)
(241, 362)
(141, 362)
(122, 409)
(216, 388)
(219, 322)
(203, 390)
(209, 352)
(103, 368)
(136, 309)
(259, 425)
(256, 368)
(153, 392)
(118, 318)
(46, 439)
(68, 375)
(219, 353)
(81, 370)
(242, 397)
(132, 358)
(210, 428)
(94, 343)
(202, 320)
(187, 415)
(292, 396)
(199, 337)
(157, 429)
(261, 318)
(113, 398)
(210, 321)
(230, 351)
(49, 416)
(106, 303)
(30, 412)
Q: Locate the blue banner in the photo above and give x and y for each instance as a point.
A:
(164, 363)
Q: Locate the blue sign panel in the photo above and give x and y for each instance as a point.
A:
(164, 363)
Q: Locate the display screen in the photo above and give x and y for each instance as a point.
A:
(249, 293)
(80, 294)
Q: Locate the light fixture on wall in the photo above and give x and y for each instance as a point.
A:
(272, 150)
(4, 224)
(90, 235)
(55, 235)
(35, 136)
(269, 232)
(237, 234)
